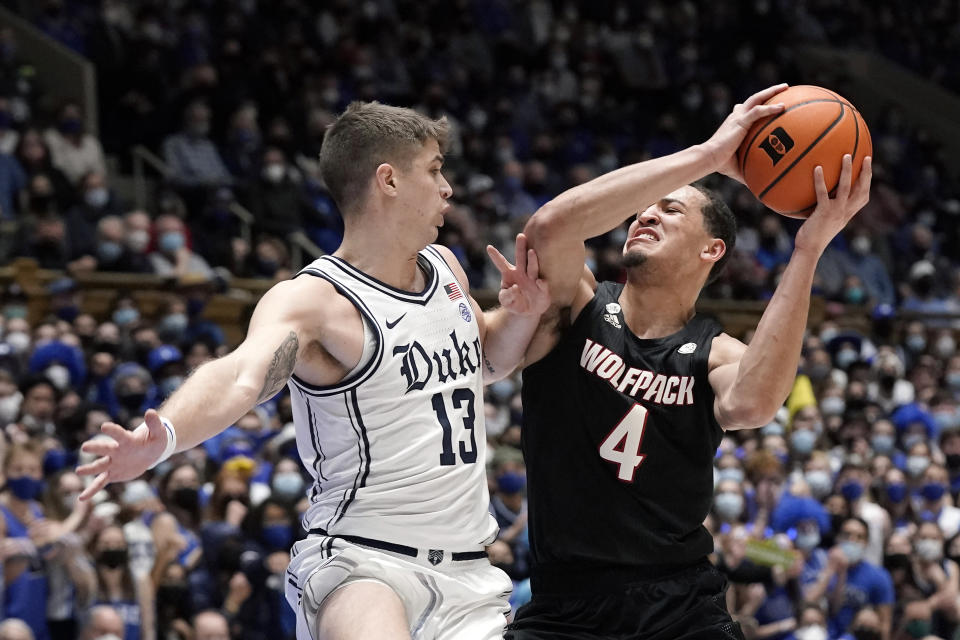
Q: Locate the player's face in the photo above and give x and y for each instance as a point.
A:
(425, 192)
(671, 228)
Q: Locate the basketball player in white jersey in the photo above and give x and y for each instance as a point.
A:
(385, 354)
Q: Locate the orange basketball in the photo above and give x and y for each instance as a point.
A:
(778, 156)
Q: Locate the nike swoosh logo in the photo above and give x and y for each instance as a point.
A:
(391, 325)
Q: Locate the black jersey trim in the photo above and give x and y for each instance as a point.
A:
(368, 370)
(317, 449)
(421, 298)
(439, 256)
(363, 448)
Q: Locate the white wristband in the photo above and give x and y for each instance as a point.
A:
(171, 442)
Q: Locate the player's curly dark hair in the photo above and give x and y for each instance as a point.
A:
(719, 222)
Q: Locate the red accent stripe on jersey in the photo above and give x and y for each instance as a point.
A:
(453, 291)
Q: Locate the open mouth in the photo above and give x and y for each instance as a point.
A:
(645, 235)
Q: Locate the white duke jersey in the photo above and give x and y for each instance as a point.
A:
(397, 449)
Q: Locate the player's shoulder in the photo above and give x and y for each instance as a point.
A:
(452, 262)
(725, 349)
(309, 296)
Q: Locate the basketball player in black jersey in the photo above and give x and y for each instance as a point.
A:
(627, 391)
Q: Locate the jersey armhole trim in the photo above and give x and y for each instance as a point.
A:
(421, 298)
(355, 380)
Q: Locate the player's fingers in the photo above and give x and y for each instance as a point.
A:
(819, 185)
(99, 446)
(97, 466)
(862, 188)
(520, 253)
(533, 264)
(502, 264)
(846, 173)
(115, 431)
(99, 483)
(762, 111)
(762, 96)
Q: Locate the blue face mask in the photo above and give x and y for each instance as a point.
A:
(846, 357)
(851, 490)
(896, 492)
(287, 485)
(802, 441)
(933, 491)
(109, 251)
(170, 384)
(25, 487)
(125, 316)
(819, 481)
(882, 443)
(171, 241)
(953, 379)
(853, 551)
(278, 536)
(174, 323)
(728, 505)
(730, 473)
(807, 541)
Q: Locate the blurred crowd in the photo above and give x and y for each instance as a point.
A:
(839, 519)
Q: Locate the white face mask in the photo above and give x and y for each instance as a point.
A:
(19, 341)
(274, 172)
(812, 632)
(137, 240)
(59, 375)
(929, 550)
(10, 407)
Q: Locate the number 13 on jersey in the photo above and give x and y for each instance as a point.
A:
(622, 446)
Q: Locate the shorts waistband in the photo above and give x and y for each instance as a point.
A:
(585, 579)
(434, 556)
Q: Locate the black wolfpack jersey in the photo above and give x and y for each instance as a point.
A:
(619, 438)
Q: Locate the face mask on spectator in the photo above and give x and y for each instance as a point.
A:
(278, 536)
(71, 126)
(174, 323)
(25, 487)
(932, 491)
(170, 384)
(828, 334)
(866, 633)
(59, 375)
(918, 628)
(946, 346)
(186, 498)
(772, 429)
(846, 357)
(802, 441)
(946, 420)
(832, 406)
(199, 128)
(125, 316)
(171, 241)
(68, 312)
(819, 481)
(274, 173)
(953, 379)
(808, 540)
(69, 501)
(35, 427)
(882, 443)
(851, 490)
(818, 372)
(812, 632)
(108, 251)
(728, 505)
(287, 485)
(916, 465)
(911, 439)
(894, 561)
(896, 492)
(97, 197)
(19, 341)
(137, 240)
(730, 473)
(112, 558)
(132, 400)
(929, 550)
(14, 310)
(916, 342)
(10, 407)
(853, 551)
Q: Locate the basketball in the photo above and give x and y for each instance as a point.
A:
(778, 156)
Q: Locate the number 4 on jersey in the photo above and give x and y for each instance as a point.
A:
(622, 446)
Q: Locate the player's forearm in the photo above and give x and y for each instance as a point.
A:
(768, 368)
(214, 397)
(506, 340)
(602, 204)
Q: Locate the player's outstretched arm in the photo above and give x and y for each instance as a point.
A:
(215, 396)
(752, 382)
(559, 228)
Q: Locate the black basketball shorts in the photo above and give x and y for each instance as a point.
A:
(686, 605)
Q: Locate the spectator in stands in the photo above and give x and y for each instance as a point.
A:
(73, 150)
(137, 227)
(12, 182)
(210, 625)
(276, 198)
(192, 157)
(8, 134)
(132, 597)
(103, 622)
(34, 157)
(173, 258)
(936, 577)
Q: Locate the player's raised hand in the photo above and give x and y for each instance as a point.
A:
(832, 214)
(723, 144)
(522, 291)
(124, 455)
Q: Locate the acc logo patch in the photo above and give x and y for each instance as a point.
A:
(689, 347)
(613, 307)
(465, 313)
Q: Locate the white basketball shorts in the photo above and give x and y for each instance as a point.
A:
(444, 599)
